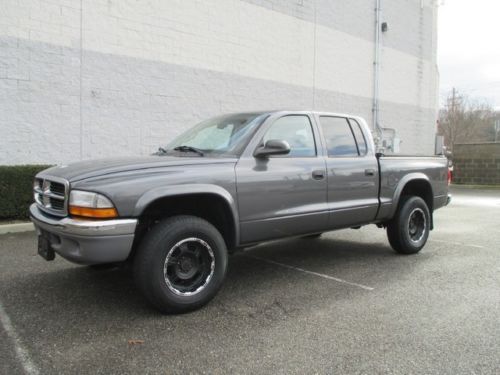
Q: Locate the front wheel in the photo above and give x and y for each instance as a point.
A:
(180, 264)
(409, 229)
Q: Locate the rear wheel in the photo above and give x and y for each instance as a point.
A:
(409, 229)
(180, 264)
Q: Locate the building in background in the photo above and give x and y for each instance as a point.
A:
(84, 79)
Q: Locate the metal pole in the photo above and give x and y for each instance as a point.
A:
(376, 72)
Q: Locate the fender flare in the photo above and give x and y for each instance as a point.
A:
(179, 190)
(402, 184)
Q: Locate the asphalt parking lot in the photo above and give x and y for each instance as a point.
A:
(344, 303)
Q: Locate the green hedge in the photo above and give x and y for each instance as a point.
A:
(16, 190)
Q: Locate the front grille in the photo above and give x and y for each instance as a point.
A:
(57, 188)
(51, 195)
(56, 204)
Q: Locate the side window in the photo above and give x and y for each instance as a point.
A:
(338, 135)
(360, 138)
(297, 131)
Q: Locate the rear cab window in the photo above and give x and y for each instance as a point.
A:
(359, 136)
(344, 137)
(338, 136)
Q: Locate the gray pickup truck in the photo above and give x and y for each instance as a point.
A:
(228, 183)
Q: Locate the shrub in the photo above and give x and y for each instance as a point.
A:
(16, 190)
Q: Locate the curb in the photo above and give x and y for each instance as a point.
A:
(16, 228)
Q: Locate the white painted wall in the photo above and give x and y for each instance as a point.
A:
(94, 78)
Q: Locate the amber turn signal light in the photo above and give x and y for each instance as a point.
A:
(93, 213)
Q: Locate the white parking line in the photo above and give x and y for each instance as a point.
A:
(312, 273)
(459, 244)
(21, 352)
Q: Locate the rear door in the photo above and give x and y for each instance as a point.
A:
(352, 172)
(282, 196)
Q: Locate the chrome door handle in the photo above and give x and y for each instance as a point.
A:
(369, 172)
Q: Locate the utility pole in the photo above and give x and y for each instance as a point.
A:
(497, 129)
(453, 100)
(452, 109)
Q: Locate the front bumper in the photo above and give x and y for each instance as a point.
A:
(85, 241)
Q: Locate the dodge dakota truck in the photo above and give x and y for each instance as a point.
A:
(228, 183)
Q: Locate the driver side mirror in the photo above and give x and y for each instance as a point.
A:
(272, 147)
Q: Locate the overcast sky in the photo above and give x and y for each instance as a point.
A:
(469, 48)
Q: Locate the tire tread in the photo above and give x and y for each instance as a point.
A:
(396, 229)
(146, 255)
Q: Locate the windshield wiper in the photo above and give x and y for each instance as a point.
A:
(189, 149)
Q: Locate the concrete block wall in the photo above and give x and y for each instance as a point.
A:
(83, 79)
(476, 164)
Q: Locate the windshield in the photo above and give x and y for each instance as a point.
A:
(220, 136)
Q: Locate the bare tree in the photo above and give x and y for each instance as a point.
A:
(464, 119)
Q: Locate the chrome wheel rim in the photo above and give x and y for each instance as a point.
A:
(417, 224)
(189, 266)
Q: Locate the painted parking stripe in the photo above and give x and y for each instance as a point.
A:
(21, 353)
(328, 277)
(459, 244)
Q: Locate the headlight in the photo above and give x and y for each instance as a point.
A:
(91, 205)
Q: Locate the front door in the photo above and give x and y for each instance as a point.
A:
(281, 196)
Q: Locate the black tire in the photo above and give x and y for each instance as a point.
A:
(312, 236)
(187, 241)
(409, 229)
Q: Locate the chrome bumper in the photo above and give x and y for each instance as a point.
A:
(85, 241)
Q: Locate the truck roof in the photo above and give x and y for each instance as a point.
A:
(299, 111)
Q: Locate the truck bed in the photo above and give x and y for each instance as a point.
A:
(394, 170)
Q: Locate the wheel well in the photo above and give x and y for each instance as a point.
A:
(210, 207)
(419, 188)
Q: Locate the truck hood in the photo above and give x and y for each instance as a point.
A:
(100, 167)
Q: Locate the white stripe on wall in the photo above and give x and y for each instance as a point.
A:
(227, 36)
